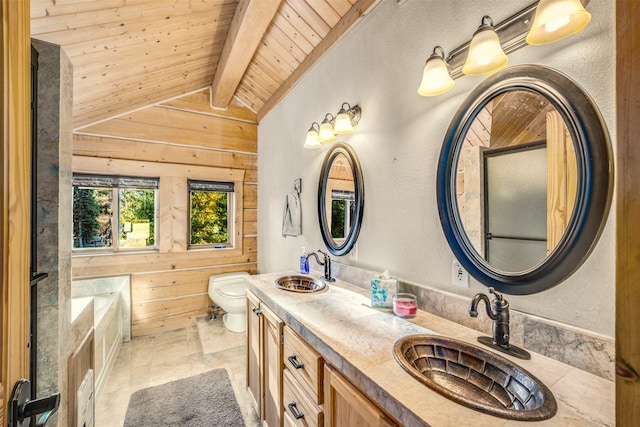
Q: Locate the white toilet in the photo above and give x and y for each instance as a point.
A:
(229, 292)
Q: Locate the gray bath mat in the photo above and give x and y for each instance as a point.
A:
(204, 400)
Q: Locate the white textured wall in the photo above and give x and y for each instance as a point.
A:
(378, 65)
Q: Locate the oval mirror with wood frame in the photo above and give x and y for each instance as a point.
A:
(525, 179)
(340, 199)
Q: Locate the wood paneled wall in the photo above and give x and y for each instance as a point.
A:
(179, 139)
(627, 214)
(562, 178)
(15, 90)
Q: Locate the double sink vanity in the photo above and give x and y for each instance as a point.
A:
(327, 358)
(522, 203)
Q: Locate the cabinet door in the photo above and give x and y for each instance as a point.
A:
(254, 354)
(272, 367)
(288, 420)
(346, 406)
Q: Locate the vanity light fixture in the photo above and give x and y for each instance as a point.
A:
(515, 31)
(342, 124)
(346, 119)
(311, 142)
(436, 79)
(556, 19)
(485, 52)
(326, 129)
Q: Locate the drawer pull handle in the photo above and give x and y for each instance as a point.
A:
(256, 311)
(292, 359)
(294, 411)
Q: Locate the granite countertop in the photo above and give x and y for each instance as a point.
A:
(357, 339)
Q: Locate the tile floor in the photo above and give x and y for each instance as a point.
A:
(157, 359)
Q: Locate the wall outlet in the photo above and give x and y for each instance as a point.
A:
(459, 277)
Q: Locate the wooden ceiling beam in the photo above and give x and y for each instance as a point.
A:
(250, 22)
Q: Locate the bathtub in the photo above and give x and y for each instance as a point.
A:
(108, 336)
(111, 314)
(107, 329)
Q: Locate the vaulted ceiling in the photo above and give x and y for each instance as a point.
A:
(128, 54)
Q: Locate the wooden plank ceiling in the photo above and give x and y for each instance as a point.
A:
(128, 54)
(505, 122)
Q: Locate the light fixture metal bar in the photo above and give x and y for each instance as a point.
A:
(512, 33)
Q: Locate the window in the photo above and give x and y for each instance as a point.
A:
(210, 213)
(102, 204)
(342, 212)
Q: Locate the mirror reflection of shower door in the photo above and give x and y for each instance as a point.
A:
(515, 197)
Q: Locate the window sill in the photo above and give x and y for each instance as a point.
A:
(91, 253)
(209, 248)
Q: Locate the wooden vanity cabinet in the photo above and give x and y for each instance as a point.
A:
(300, 409)
(302, 381)
(264, 361)
(254, 353)
(272, 329)
(345, 405)
(289, 383)
(304, 363)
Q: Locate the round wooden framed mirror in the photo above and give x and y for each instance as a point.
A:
(340, 199)
(525, 179)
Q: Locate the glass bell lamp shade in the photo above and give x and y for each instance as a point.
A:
(343, 124)
(311, 142)
(436, 79)
(556, 19)
(326, 132)
(485, 52)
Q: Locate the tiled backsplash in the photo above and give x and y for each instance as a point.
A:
(577, 347)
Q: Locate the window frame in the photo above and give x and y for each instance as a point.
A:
(347, 198)
(228, 187)
(119, 183)
(172, 244)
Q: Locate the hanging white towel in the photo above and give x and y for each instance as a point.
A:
(292, 217)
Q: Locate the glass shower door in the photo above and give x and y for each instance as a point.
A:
(516, 207)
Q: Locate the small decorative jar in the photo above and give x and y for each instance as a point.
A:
(405, 305)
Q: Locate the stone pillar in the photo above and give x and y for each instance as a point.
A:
(55, 138)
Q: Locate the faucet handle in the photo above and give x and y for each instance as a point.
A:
(500, 303)
(498, 295)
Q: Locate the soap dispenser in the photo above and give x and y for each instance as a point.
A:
(304, 264)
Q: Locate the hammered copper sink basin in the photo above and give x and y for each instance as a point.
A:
(299, 283)
(474, 377)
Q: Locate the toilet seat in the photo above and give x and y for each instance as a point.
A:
(233, 291)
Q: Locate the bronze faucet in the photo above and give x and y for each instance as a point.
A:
(326, 263)
(498, 311)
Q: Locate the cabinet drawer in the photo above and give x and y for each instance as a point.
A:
(304, 363)
(297, 403)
